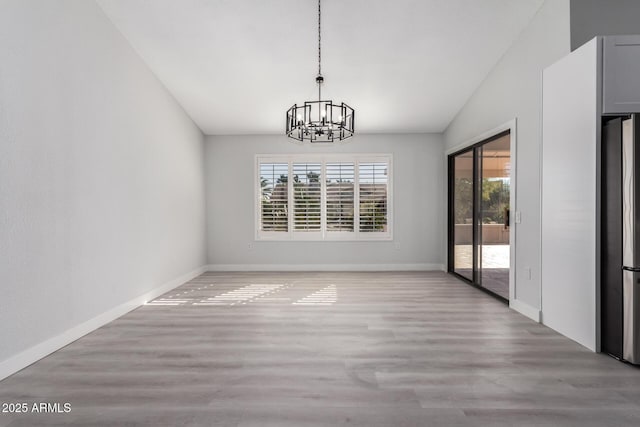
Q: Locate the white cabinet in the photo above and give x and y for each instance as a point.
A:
(570, 144)
(621, 74)
(600, 78)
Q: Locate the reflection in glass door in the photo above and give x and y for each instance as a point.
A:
(479, 214)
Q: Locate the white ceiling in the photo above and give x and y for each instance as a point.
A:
(236, 66)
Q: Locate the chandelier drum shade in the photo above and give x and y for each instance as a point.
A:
(321, 120)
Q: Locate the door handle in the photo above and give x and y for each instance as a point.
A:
(505, 218)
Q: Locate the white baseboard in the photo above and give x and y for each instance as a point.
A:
(325, 267)
(38, 351)
(525, 309)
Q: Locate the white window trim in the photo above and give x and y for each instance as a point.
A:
(323, 235)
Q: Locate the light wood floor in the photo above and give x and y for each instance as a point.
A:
(327, 349)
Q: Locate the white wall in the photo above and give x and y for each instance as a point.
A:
(513, 89)
(419, 187)
(101, 178)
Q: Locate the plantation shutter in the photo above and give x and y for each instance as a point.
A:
(274, 197)
(314, 197)
(372, 180)
(340, 178)
(307, 197)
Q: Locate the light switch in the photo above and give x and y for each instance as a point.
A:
(518, 217)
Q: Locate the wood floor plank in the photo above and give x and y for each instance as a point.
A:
(315, 349)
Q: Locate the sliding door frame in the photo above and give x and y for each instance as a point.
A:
(451, 159)
(508, 128)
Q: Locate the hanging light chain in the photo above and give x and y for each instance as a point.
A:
(319, 42)
(319, 78)
(301, 126)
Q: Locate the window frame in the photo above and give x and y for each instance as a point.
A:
(323, 235)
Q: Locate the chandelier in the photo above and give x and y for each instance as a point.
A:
(320, 121)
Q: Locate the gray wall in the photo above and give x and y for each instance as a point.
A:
(590, 18)
(513, 90)
(101, 174)
(418, 189)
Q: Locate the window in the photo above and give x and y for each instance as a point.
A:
(373, 196)
(340, 177)
(307, 197)
(274, 197)
(324, 197)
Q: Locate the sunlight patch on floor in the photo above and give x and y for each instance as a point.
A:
(241, 295)
(270, 293)
(325, 296)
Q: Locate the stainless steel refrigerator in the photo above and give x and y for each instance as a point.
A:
(620, 238)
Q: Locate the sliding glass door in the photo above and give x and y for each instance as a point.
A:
(479, 214)
(463, 250)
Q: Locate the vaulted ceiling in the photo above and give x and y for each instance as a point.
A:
(235, 66)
